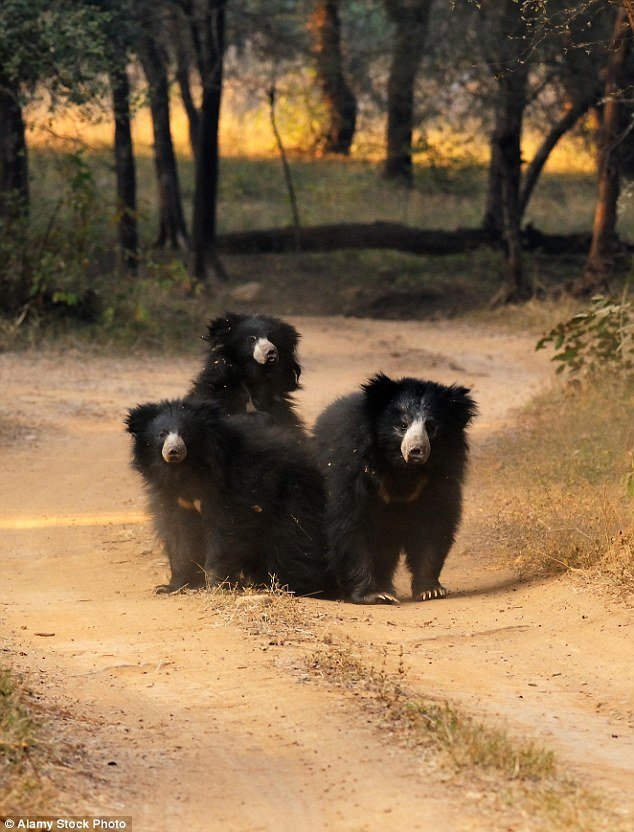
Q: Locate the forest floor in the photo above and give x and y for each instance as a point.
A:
(173, 712)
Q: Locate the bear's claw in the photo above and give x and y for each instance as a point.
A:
(436, 592)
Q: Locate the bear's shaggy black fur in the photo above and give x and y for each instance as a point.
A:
(251, 366)
(228, 500)
(394, 457)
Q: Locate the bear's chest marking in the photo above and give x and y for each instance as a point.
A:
(190, 505)
(249, 404)
(413, 495)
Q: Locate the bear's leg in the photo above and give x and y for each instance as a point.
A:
(377, 586)
(222, 565)
(429, 539)
(384, 561)
(182, 535)
(425, 559)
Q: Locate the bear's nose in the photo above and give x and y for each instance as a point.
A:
(271, 354)
(174, 449)
(418, 454)
(265, 352)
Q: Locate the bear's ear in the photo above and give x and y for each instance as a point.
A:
(462, 407)
(220, 326)
(379, 392)
(139, 417)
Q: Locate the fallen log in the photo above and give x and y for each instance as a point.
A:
(378, 235)
(390, 235)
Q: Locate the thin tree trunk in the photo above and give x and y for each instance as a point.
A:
(172, 229)
(124, 168)
(410, 19)
(506, 157)
(14, 169)
(599, 264)
(534, 170)
(341, 104)
(503, 35)
(183, 77)
(288, 178)
(212, 39)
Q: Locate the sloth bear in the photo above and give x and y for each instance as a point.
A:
(251, 366)
(394, 457)
(227, 501)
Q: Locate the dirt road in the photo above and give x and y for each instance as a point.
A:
(188, 725)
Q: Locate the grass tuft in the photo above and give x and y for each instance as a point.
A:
(558, 485)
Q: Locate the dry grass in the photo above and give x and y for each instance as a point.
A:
(269, 611)
(516, 776)
(464, 742)
(19, 743)
(43, 752)
(557, 485)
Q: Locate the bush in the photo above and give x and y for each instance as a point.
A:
(596, 341)
(45, 262)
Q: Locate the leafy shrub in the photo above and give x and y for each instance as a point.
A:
(45, 262)
(596, 340)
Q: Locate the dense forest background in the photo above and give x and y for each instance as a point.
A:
(399, 158)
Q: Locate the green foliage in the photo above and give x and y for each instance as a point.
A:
(45, 265)
(597, 340)
(61, 44)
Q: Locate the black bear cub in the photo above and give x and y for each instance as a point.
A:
(394, 457)
(251, 366)
(229, 502)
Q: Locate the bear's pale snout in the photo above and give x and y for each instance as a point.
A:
(174, 449)
(265, 352)
(415, 446)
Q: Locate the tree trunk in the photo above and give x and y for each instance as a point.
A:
(183, 77)
(506, 156)
(14, 171)
(124, 168)
(599, 264)
(341, 105)
(534, 170)
(172, 228)
(504, 34)
(211, 35)
(410, 18)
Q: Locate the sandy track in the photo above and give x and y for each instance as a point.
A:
(207, 729)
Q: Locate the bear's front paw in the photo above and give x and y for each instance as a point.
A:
(377, 598)
(437, 591)
(169, 589)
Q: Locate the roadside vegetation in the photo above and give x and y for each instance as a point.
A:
(20, 737)
(66, 250)
(562, 480)
(515, 776)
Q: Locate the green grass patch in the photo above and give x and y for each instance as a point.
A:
(67, 254)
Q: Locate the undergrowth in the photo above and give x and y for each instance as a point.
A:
(18, 741)
(560, 484)
(517, 774)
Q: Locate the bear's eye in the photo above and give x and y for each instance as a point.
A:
(251, 339)
(403, 424)
(163, 433)
(431, 426)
